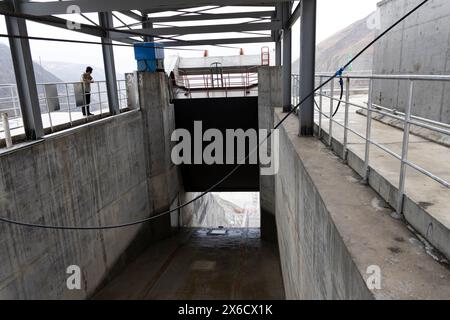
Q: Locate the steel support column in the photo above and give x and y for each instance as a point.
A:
(307, 65)
(106, 21)
(277, 35)
(147, 24)
(278, 53)
(25, 78)
(287, 59)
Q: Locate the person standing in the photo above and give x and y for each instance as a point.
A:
(86, 79)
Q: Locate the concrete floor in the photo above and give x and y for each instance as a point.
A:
(194, 265)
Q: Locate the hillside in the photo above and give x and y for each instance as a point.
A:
(49, 71)
(7, 72)
(71, 72)
(335, 51)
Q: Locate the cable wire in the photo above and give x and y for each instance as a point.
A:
(201, 195)
(341, 83)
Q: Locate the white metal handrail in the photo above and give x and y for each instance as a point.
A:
(407, 118)
(66, 97)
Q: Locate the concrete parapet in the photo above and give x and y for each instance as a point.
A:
(334, 232)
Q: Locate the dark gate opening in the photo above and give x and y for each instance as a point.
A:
(222, 114)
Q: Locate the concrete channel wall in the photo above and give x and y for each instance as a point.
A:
(107, 172)
(315, 262)
(335, 235)
(420, 45)
(269, 98)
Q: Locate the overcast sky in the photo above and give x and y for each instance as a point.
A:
(332, 16)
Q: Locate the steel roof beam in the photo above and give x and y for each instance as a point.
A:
(211, 29)
(60, 7)
(210, 16)
(132, 15)
(84, 28)
(6, 6)
(170, 44)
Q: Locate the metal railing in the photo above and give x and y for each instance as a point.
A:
(406, 118)
(60, 107)
(226, 82)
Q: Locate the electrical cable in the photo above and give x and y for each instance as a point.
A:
(341, 83)
(201, 195)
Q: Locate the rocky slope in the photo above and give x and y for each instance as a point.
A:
(335, 51)
(7, 72)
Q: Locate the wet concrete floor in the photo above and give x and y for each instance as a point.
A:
(194, 265)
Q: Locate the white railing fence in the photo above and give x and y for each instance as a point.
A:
(407, 118)
(59, 103)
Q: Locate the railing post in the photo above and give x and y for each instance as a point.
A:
(368, 133)
(405, 148)
(346, 121)
(68, 104)
(13, 99)
(330, 130)
(119, 95)
(7, 131)
(320, 106)
(100, 97)
(48, 109)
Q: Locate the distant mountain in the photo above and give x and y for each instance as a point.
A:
(7, 71)
(334, 52)
(50, 71)
(71, 72)
(7, 76)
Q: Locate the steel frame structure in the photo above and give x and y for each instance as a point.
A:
(266, 21)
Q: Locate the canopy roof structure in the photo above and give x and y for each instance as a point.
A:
(173, 23)
(259, 20)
